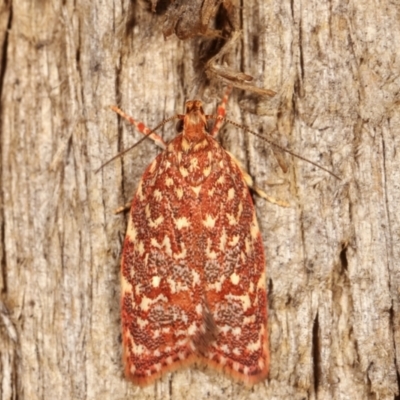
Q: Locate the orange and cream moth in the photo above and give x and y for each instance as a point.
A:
(193, 265)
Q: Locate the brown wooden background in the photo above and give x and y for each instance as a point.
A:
(332, 257)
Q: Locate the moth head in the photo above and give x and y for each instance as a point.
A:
(194, 114)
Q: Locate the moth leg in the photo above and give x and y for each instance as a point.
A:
(141, 127)
(249, 182)
(221, 112)
(263, 195)
(124, 208)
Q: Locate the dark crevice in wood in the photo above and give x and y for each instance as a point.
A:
(2, 74)
(397, 397)
(159, 7)
(301, 56)
(131, 19)
(170, 388)
(343, 257)
(3, 259)
(119, 128)
(270, 295)
(316, 355)
(4, 50)
(393, 325)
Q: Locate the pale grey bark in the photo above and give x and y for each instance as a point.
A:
(332, 257)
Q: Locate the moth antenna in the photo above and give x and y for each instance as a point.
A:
(130, 120)
(246, 129)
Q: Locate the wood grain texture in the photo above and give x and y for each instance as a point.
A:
(332, 257)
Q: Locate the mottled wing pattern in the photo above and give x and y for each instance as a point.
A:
(161, 292)
(193, 281)
(234, 273)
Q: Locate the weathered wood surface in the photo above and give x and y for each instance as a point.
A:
(332, 257)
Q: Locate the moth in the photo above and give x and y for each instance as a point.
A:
(193, 265)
